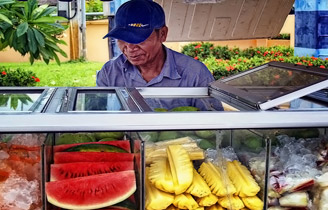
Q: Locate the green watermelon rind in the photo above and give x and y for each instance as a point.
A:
(53, 195)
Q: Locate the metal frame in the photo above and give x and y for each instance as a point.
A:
(63, 122)
(254, 101)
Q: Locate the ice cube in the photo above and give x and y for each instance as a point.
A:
(20, 193)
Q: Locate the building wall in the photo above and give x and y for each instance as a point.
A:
(97, 47)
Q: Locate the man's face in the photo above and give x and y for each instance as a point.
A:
(146, 51)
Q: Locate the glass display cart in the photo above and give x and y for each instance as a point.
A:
(263, 131)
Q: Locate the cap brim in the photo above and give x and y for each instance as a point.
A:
(133, 36)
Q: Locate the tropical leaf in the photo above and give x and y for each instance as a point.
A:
(38, 11)
(5, 2)
(14, 102)
(32, 43)
(49, 19)
(4, 18)
(21, 29)
(39, 37)
(31, 29)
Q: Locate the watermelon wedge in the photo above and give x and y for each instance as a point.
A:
(72, 157)
(124, 144)
(72, 170)
(91, 192)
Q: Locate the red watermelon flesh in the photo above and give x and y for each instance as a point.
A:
(91, 192)
(72, 170)
(72, 157)
(124, 144)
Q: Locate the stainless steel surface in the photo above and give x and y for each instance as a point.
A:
(62, 122)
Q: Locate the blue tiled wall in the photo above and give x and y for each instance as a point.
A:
(311, 28)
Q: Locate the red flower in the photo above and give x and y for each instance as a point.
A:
(326, 59)
(239, 59)
(196, 58)
(37, 79)
(265, 53)
(299, 63)
(33, 77)
(211, 48)
(228, 68)
(198, 46)
(236, 52)
(322, 66)
(277, 76)
(3, 73)
(310, 64)
(281, 59)
(258, 52)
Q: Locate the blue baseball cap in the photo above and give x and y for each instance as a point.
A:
(135, 20)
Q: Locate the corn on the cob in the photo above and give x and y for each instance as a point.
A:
(219, 184)
(242, 179)
(181, 168)
(185, 201)
(232, 202)
(160, 175)
(207, 200)
(253, 202)
(198, 187)
(156, 199)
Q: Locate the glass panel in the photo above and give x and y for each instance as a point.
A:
(97, 101)
(184, 104)
(17, 101)
(303, 104)
(272, 82)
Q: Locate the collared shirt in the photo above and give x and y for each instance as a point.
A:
(179, 70)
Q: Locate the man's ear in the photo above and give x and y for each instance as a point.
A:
(163, 33)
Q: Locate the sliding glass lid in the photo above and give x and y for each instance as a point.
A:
(100, 100)
(273, 84)
(167, 99)
(21, 100)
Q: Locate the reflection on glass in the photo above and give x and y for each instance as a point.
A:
(185, 104)
(273, 82)
(17, 101)
(98, 102)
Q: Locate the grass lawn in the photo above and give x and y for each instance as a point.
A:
(70, 74)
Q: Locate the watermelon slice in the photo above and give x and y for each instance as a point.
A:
(72, 157)
(124, 144)
(91, 192)
(80, 169)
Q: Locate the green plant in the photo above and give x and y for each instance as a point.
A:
(30, 28)
(198, 51)
(282, 36)
(94, 6)
(17, 77)
(223, 62)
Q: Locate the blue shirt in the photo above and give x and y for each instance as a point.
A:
(179, 70)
